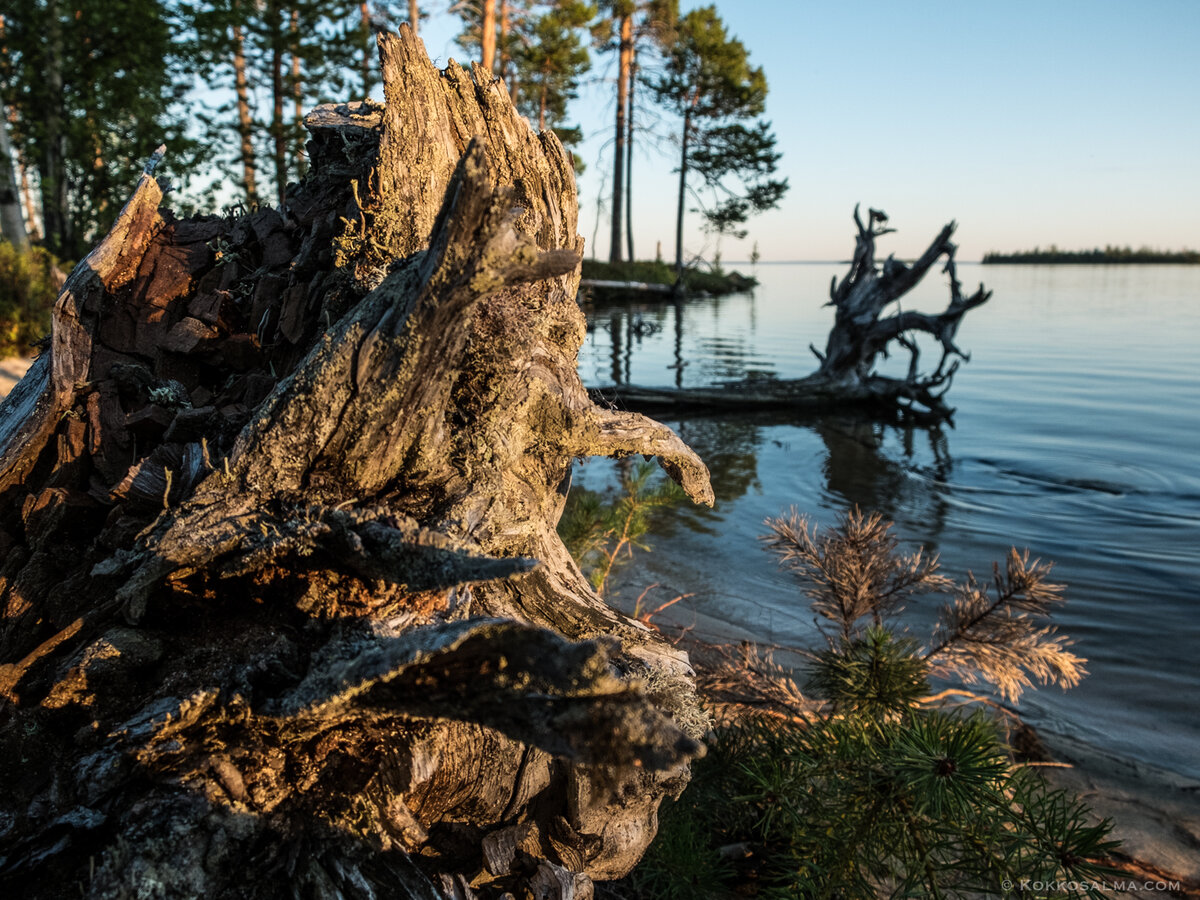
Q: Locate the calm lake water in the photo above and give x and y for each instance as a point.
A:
(1076, 436)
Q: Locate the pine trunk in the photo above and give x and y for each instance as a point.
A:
(502, 48)
(245, 121)
(618, 195)
(629, 161)
(31, 220)
(12, 220)
(297, 94)
(487, 35)
(683, 165)
(367, 50)
(56, 213)
(285, 611)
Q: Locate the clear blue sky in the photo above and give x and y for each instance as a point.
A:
(1030, 122)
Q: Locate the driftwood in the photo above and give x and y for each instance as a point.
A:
(846, 375)
(284, 609)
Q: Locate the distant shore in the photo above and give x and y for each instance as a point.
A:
(1109, 256)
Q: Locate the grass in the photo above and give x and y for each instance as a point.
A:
(28, 289)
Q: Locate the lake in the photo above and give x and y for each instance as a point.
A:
(1076, 436)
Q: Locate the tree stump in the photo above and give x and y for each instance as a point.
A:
(285, 612)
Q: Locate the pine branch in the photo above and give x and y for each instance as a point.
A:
(854, 569)
(998, 639)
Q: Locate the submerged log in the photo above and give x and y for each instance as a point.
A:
(625, 288)
(847, 373)
(284, 609)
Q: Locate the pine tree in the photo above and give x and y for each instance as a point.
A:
(711, 85)
(219, 57)
(479, 34)
(278, 57)
(367, 19)
(630, 28)
(876, 790)
(93, 87)
(549, 64)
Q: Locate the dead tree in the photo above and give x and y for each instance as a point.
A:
(284, 609)
(847, 373)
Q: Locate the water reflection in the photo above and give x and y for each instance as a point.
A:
(677, 343)
(760, 463)
(626, 328)
(896, 470)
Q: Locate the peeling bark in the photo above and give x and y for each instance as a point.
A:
(284, 609)
(860, 335)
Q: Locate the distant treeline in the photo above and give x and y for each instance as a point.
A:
(1108, 255)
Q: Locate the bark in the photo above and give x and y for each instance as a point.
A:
(414, 16)
(12, 220)
(245, 120)
(285, 611)
(367, 52)
(633, 68)
(618, 196)
(860, 335)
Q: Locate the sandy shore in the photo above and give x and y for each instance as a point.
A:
(11, 370)
(1155, 812)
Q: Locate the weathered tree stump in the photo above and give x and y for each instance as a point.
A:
(847, 373)
(285, 612)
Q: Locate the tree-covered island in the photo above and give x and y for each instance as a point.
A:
(1110, 255)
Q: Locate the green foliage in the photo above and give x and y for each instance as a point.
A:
(883, 795)
(920, 804)
(550, 61)
(709, 82)
(293, 56)
(28, 289)
(878, 676)
(94, 87)
(597, 531)
(1095, 257)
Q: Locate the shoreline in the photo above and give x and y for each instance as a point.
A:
(1155, 812)
(12, 369)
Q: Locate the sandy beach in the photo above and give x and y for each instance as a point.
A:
(1155, 813)
(11, 371)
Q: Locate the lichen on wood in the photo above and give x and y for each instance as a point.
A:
(284, 608)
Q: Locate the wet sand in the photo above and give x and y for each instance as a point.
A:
(11, 371)
(1155, 812)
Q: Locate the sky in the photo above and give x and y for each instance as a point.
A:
(1068, 122)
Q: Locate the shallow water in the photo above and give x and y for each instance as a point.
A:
(1075, 436)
